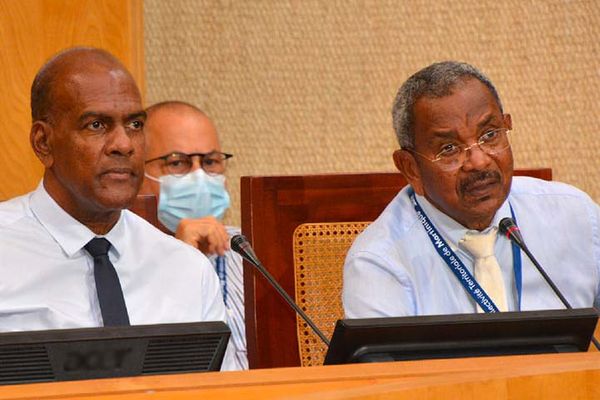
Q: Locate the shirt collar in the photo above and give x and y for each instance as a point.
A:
(117, 237)
(70, 234)
(450, 229)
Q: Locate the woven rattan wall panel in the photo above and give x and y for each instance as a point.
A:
(319, 252)
(307, 86)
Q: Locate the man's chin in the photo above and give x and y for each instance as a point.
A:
(481, 212)
(117, 200)
(118, 194)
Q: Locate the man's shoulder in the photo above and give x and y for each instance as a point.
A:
(555, 203)
(158, 241)
(391, 227)
(524, 186)
(14, 209)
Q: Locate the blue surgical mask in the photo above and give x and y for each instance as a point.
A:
(193, 195)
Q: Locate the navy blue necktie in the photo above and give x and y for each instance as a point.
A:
(110, 295)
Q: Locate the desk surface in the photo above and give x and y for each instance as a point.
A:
(549, 376)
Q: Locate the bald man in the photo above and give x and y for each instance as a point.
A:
(185, 169)
(87, 131)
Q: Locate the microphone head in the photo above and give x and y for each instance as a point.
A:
(237, 241)
(505, 226)
(508, 227)
(242, 246)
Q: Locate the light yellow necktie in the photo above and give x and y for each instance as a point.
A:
(487, 270)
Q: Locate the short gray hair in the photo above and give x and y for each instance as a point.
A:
(434, 81)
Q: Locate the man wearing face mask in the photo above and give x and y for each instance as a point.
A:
(185, 170)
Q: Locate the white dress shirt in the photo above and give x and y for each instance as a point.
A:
(392, 269)
(48, 281)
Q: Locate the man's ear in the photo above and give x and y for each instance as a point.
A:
(40, 138)
(508, 121)
(406, 163)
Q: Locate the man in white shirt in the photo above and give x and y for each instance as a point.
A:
(417, 257)
(87, 131)
(185, 170)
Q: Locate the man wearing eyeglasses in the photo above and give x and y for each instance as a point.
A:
(435, 248)
(185, 169)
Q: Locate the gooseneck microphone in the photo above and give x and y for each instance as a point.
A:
(242, 246)
(508, 227)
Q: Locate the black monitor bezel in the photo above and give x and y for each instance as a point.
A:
(54, 365)
(461, 335)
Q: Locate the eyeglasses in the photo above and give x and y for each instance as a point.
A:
(180, 164)
(453, 155)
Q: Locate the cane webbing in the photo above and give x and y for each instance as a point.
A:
(319, 252)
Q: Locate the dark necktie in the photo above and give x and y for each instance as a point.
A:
(110, 295)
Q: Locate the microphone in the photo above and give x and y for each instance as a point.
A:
(508, 227)
(242, 246)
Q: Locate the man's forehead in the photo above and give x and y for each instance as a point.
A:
(105, 80)
(92, 91)
(169, 130)
(471, 102)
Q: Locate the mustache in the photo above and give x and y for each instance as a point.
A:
(480, 176)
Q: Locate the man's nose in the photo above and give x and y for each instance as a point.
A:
(475, 157)
(120, 142)
(196, 163)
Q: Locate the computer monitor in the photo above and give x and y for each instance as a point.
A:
(89, 353)
(461, 335)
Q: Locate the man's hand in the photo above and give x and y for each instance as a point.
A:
(207, 234)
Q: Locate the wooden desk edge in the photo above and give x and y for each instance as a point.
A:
(410, 372)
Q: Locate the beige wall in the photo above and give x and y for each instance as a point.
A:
(306, 86)
(30, 32)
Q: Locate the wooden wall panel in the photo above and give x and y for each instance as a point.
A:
(30, 32)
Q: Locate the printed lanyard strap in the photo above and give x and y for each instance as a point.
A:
(222, 274)
(516, 252)
(458, 268)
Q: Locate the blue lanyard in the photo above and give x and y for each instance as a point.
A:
(458, 268)
(516, 253)
(222, 273)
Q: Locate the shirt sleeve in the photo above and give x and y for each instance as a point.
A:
(214, 310)
(213, 307)
(595, 220)
(372, 288)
